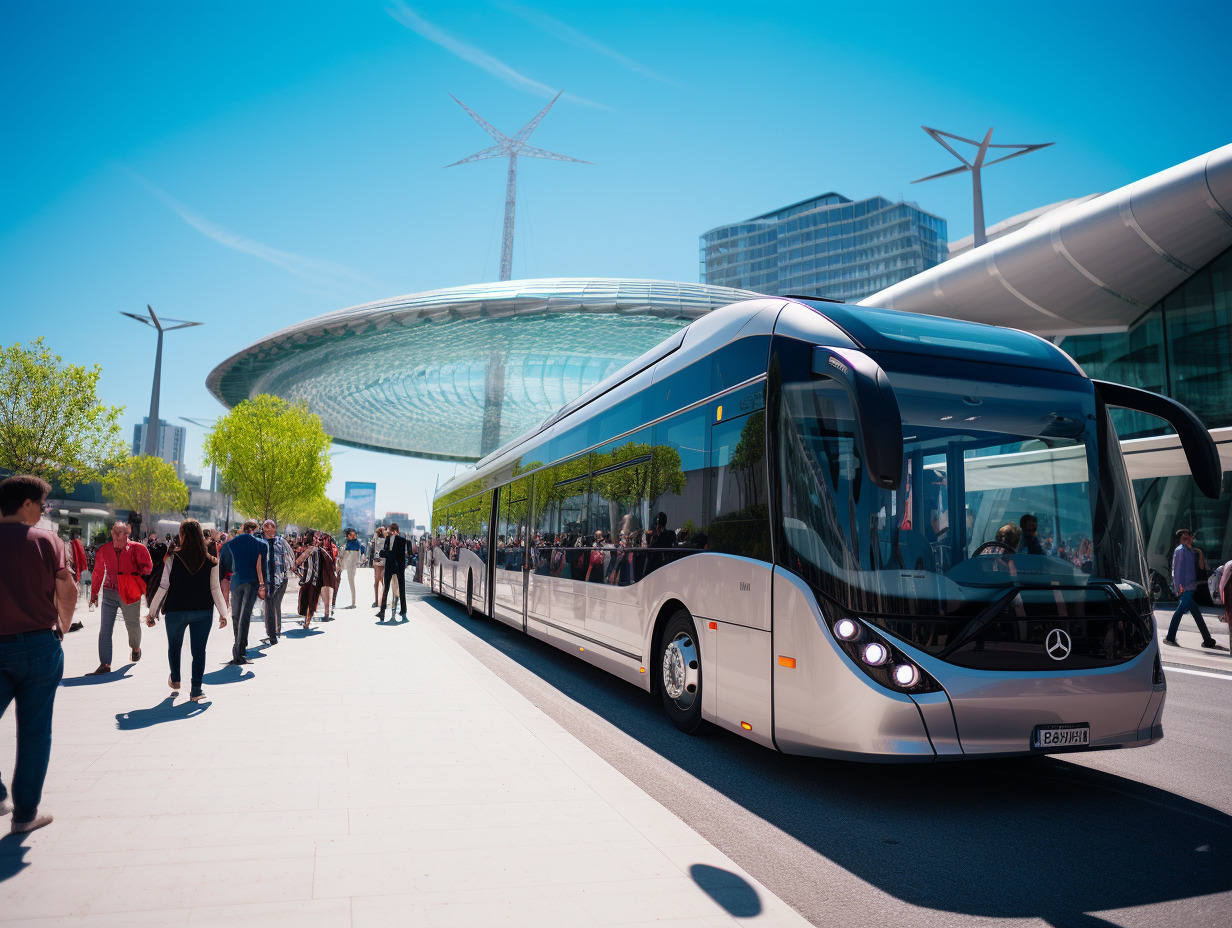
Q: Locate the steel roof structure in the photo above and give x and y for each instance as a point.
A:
(452, 374)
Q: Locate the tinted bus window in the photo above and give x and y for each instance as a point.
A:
(739, 515)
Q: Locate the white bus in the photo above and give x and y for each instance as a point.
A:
(836, 531)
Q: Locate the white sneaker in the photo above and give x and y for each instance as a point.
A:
(21, 828)
(5, 807)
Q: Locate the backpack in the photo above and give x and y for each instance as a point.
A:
(1212, 582)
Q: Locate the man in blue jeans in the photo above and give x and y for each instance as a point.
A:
(37, 597)
(245, 556)
(1185, 579)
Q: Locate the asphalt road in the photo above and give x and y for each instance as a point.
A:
(1133, 838)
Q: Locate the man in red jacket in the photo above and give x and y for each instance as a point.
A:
(120, 559)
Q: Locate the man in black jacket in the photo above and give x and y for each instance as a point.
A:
(395, 568)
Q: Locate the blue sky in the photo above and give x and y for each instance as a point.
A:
(250, 164)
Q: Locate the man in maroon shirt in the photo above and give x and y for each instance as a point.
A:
(37, 597)
(120, 558)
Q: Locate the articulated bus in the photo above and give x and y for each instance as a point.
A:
(837, 531)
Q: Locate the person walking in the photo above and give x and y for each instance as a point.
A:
(37, 598)
(1185, 582)
(245, 556)
(395, 568)
(277, 575)
(352, 552)
(330, 576)
(310, 565)
(378, 564)
(188, 590)
(79, 566)
(119, 571)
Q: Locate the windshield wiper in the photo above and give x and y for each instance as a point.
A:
(991, 611)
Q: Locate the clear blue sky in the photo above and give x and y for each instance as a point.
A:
(250, 164)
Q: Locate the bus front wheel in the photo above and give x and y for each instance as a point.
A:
(680, 673)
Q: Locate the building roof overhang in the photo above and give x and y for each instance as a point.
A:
(1095, 265)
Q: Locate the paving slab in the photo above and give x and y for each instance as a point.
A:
(357, 774)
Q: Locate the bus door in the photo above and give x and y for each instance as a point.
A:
(510, 551)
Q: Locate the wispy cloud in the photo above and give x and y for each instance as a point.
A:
(316, 270)
(563, 31)
(476, 56)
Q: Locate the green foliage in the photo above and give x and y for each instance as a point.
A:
(51, 422)
(147, 485)
(273, 455)
(322, 514)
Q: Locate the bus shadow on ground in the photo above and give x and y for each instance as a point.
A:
(1032, 838)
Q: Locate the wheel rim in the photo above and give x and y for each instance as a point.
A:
(681, 671)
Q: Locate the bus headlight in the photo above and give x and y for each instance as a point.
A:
(879, 657)
(875, 654)
(906, 675)
(846, 629)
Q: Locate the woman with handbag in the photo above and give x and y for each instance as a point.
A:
(119, 571)
(186, 594)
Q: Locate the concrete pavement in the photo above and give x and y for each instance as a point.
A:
(1188, 651)
(357, 774)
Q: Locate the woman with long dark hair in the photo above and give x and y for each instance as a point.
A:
(311, 567)
(188, 590)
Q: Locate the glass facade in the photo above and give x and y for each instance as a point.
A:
(830, 246)
(1181, 347)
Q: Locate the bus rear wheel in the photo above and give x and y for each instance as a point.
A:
(680, 673)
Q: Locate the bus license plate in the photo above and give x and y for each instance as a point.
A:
(1061, 736)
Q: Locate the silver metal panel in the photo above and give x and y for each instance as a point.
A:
(1117, 256)
(996, 712)
(798, 321)
(713, 331)
(618, 665)
(743, 681)
(939, 720)
(1149, 729)
(825, 706)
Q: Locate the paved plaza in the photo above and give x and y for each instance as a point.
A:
(357, 774)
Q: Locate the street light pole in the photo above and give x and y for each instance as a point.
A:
(151, 429)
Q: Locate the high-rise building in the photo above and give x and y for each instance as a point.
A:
(170, 445)
(827, 246)
(400, 517)
(359, 507)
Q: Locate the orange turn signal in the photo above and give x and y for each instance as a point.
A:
(581, 649)
(641, 670)
(787, 661)
(714, 626)
(746, 726)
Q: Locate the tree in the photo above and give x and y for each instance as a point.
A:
(273, 455)
(322, 514)
(146, 485)
(51, 422)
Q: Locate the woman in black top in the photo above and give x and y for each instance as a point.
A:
(186, 594)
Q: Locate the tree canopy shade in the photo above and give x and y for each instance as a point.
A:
(51, 422)
(146, 485)
(274, 455)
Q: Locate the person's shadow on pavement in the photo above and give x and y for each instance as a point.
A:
(166, 711)
(93, 679)
(12, 852)
(229, 673)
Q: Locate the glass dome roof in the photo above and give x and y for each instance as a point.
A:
(452, 374)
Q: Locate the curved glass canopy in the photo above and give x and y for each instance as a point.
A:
(452, 374)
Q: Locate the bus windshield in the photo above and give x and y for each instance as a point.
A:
(1005, 487)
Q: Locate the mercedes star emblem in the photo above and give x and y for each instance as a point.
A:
(1058, 645)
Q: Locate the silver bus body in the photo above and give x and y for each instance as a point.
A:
(770, 666)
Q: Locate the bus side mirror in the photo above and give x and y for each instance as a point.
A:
(1200, 450)
(879, 425)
